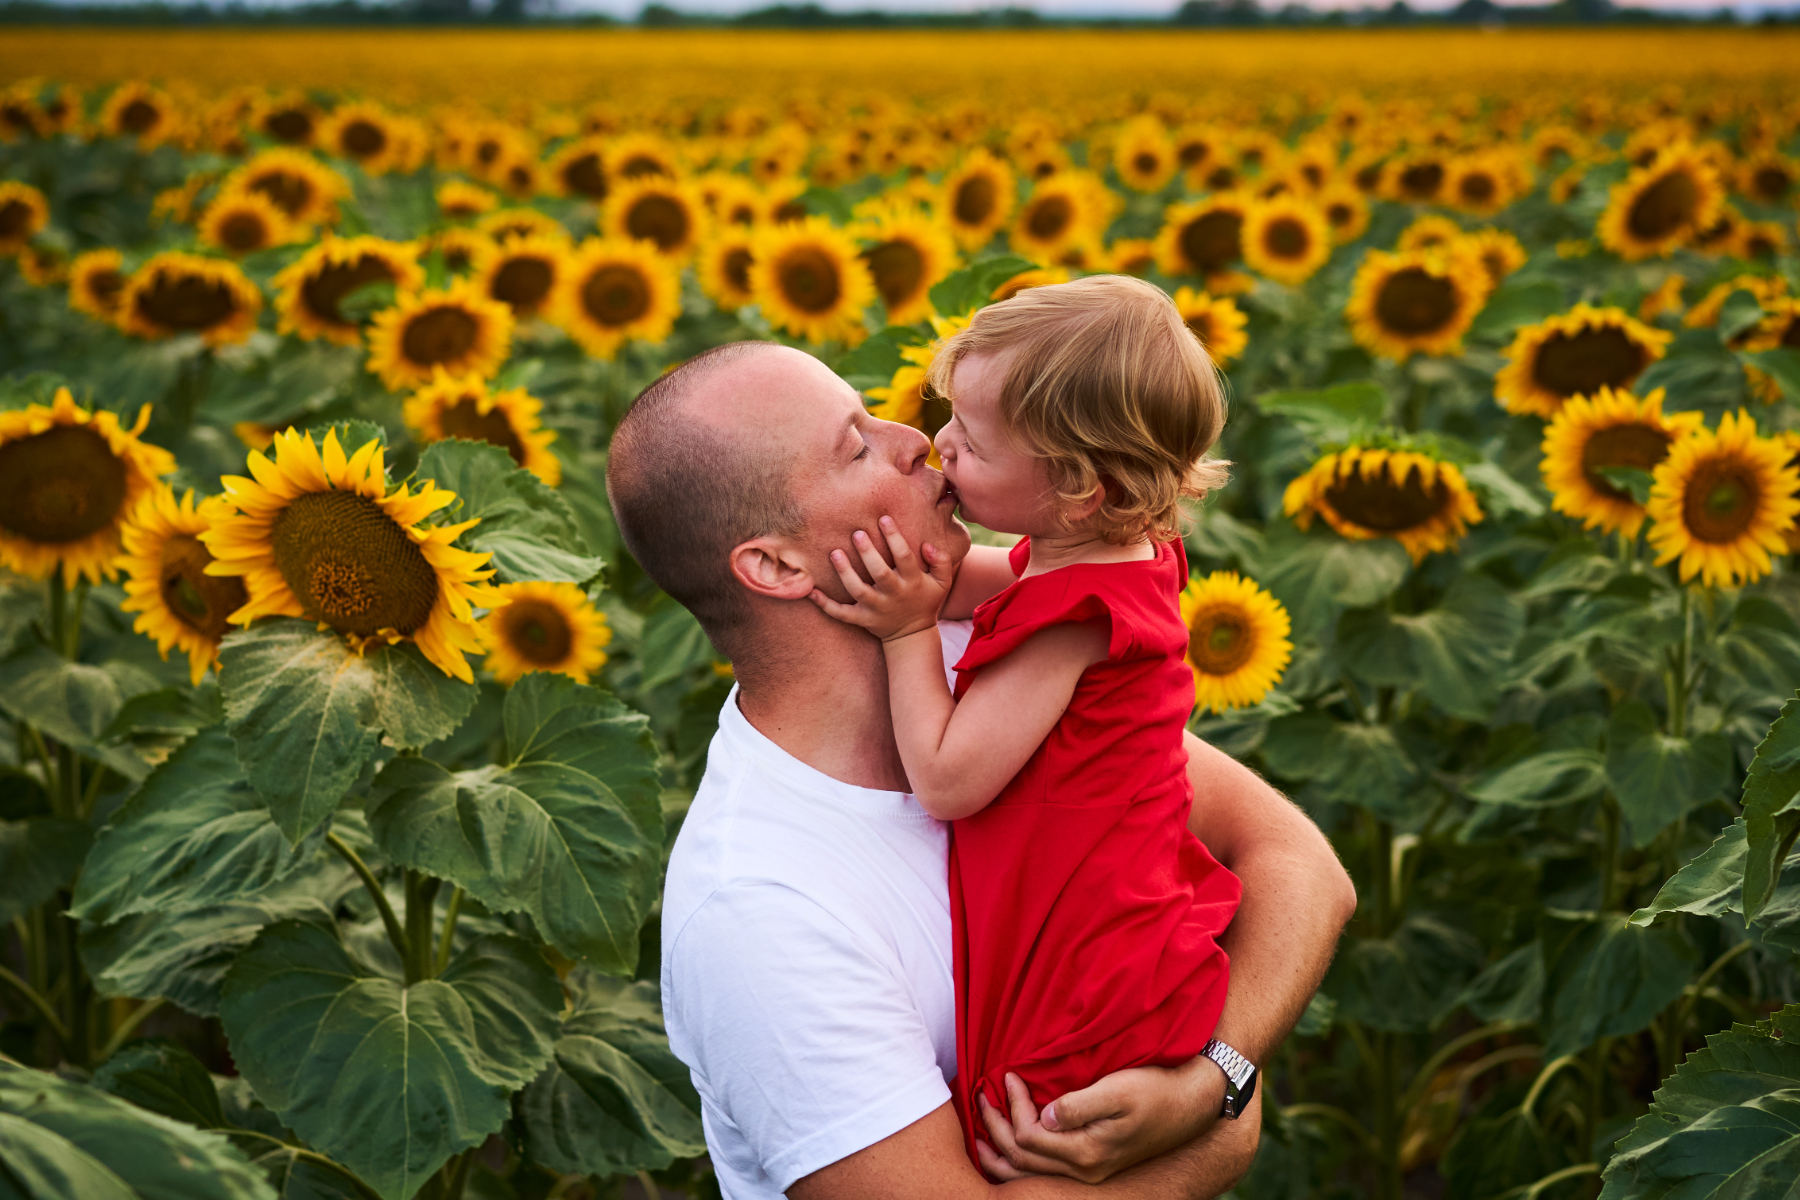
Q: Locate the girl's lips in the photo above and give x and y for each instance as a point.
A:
(949, 492)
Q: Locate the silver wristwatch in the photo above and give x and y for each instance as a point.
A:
(1240, 1077)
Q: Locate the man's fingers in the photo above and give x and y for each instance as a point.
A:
(1018, 1098)
(1076, 1109)
(995, 1167)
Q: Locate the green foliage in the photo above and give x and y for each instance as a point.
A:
(388, 1078)
(529, 529)
(973, 286)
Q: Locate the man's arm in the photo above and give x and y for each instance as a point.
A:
(1297, 899)
(925, 1161)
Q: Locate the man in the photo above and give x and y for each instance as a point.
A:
(806, 933)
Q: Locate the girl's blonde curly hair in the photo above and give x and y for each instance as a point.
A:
(1110, 387)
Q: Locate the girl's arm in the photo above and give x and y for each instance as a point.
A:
(957, 756)
(986, 571)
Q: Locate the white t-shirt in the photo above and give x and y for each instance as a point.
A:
(806, 972)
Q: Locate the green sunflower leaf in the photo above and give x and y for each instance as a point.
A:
(389, 1079)
(529, 529)
(569, 830)
(1708, 886)
(614, 1100)
(1317, 574)
(43, 1118)
(37, 856)
(306, 712)
(1543, 780)
(1771, 807)
(1606, 977)
(1783, 364)
(1403, 983)
(1658, 779)
(72, 702)
(973, 286)
(164, 1078)
(1453, 654)
(1332, 414)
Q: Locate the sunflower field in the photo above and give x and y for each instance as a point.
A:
(345, 743)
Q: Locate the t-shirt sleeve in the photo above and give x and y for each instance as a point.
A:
(800, 1032)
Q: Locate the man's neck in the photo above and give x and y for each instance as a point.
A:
(828, 705)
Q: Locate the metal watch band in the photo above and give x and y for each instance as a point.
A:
(1240, 1076)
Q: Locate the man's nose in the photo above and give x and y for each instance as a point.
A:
(912, 448)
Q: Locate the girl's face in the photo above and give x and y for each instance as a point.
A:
(998, 482)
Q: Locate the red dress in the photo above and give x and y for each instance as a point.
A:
(1086, 916)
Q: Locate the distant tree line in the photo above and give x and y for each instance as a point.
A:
(1193, 13)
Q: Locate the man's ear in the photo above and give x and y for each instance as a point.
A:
(772, 567)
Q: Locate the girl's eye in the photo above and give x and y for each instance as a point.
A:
(968, 449)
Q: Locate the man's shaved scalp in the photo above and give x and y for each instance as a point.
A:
(685, 492)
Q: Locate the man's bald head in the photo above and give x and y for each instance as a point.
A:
(690, 478)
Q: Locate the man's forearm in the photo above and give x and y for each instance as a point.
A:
(1297, 899)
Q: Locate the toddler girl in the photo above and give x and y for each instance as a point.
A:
(1085, 914)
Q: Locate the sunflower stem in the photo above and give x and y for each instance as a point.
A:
(421, 893)
(71, 647)
(389, 922)
(451, 911)
(1609, 861)
(1677, 678)
(58, 605)
(93, 790)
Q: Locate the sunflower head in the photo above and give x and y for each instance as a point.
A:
(1575, 354)
(504, 224)
(452, 407)
(1418, 302)
(613, 291)
(23, 214)
(1286, 238)
(1499, 252)
(366, 135)
(811, 281)
(521, 273)
(318, 534)
(96, 281)
(459, 330)
(300, 185)
(1238, 643)
(1662, 205)
(909, 399)
(544, 627)
(1144, 155)
(1374, 491)
(724, 267)
(177, 293)
(1432, 231)
(978, 197)
(579, 169)
(460, 200)
(1217, 321)
(314, 285)
(1417, 177)
(178, 604)
(1204, 237)
(241, 223)
(907, 252)
(69, 477)
(1346, 211)
(1722, 501)
(140, 111)
(1610, 429)
(651, 208)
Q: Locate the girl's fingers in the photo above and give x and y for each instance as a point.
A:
(853, 583)
(847, 613)
(938, 565)
(879, 571)
(896, 545)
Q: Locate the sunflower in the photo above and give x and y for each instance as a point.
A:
(1608, 429)
(666, 213)
(1722, 502)
(459, 200)
(1479, 183)
(143, 112)
(1368, 492)
(613, 290)
(781, 200)
(907, 252)
(1203, 237)
(68, 479)
(1286, 239)
(241, 223)
(1780, 327)
(1058, 215)
(1724, 235)
(313, 285)
(809, 280)
(505, 223)
(1575, 354)
(302, 187)
(1216, 321)
(1499, 252)
(166, 583)
(521, 273)
(1762, 240)
(1417, 302)
(731, 199)
(1705, 313)
(457, 328)
(23, 215)
(1143, 155)
(1661, 206)
(363, 133)
(1238, 643)
(1417, 177)
(1664, 299)
(96, 280)
(978, 197)
(1346, 211)
(1555, 147)
(724, 267)
(545, 627)
(461, 249)
(907, 399)
(641, 155)
(43, 265)
(1131, 256)
(291, 120)
(1036, 277)
(1769, 177)
(184, 293)
(316, 534)
(452, 407)
(1431, 231)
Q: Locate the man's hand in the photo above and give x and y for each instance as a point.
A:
(897, 601)
(1124, 1119)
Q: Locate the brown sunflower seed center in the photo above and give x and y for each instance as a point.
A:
(186, 303)
(1050, 217)
(439, 335)
(60, 485)
(660, 219)
(523, 283)
(1213, 240)
(200, 601)
(1722, 499)
(1621, 446)
(351, 565)
(899, 270)
(1381, 505)
(615, 295)
(1219, 642)
(1579, 364)
(322, 291)
(808, 278)
(465, 420)
(537, 632)
(975, 199)
(1414, 302)
(1664, 206)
